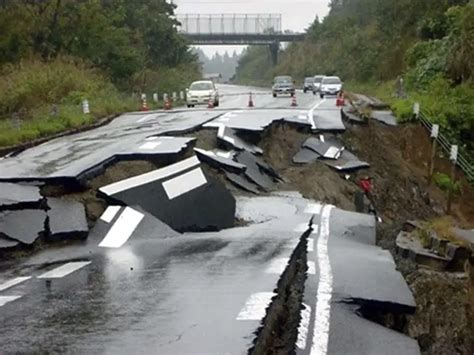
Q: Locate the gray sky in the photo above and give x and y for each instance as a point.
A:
(297, 14)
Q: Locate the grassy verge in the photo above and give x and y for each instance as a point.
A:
(40, 99)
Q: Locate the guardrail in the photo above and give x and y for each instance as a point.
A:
(462, 161)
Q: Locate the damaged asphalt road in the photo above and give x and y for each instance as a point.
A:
(177, 264)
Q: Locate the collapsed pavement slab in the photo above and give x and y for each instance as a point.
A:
(229, 136)
(180, 195)
(349, 113)
(346, 162)
(25, 226)
(219, 159)
(327, 120)
(157, 146)
(305, 156)
(255, 172)
(16, 196)
(242, 182)
(386, 117)
(7, 244)
(67, 220)
(324, 149)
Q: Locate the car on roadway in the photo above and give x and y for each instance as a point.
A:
(201, 92)
(308, 84)
(317, 83)
(330, 85)
(283, 85)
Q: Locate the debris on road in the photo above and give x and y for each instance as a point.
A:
(24, 226)
(16, 197)
(66, 220)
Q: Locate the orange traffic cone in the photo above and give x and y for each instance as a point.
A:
(340, 101)
(144, 106)
(168, 105)
(250, 100)
(210, 104)
(293, 101)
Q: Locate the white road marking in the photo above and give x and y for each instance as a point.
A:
(256, 306)
(145, 118)
(13, 282)
(150, 177)
(310, 244)
(301, 228)
(303, 328)
(277, 266)
(122, 229)
(333, 153)
(149, 146)
(313, 208)
(324, 293)
(311, 268)
(64, 270)
(6, 299)
(184, 183)
(315, 229)
(110, 213)
(311, 113)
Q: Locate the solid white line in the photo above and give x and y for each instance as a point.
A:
(150, 177)
(324, 293)
(64, 270)
(122, 229)
(184, 183)
(110, 213)
(311, 113)
(13, 282)
(6, 299)
(256, 306)
(303, 328)
(277, 266)
(149, 146)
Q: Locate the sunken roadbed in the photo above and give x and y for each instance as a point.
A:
(203, 247)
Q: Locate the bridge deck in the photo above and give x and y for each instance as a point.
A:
(242, 38)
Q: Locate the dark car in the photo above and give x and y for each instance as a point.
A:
(308, 84)
(283, 85)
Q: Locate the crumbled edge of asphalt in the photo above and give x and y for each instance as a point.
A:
(279, 330)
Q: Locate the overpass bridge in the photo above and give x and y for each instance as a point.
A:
(237, 29)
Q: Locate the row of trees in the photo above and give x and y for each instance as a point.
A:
(121, 37)
(223, 64)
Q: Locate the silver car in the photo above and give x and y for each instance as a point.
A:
(330, 85)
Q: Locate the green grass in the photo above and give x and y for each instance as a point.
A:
(29, 90)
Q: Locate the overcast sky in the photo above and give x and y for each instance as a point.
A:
(297, 14)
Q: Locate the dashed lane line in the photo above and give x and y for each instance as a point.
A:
(64, 270)
(7, 299)
(13, 282)
(256, 306)
(122, 229)
(303, 328)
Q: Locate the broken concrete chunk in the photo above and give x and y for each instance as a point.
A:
(25, 226)
(350, 114)
(7, 244)
(229, 136)
(16, 196)
(180, 195)
(254, 172)
(305, 156)
(328, 120)
(242, 182)
(386, 117)
(346, 162)
(219, 159)
(67, 219)
(324, 149)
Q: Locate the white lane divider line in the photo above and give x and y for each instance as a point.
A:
(303, 328)
(256, 306)
(149, 145)
(184, 183)
(301, 228)
(7, 299)
(122, 229)
(64, 270)
(310, 244)
(315, 229)
(110, 213)
(277, 266)
(311, 113)
(150, 177)
(313, 208)
(324, 293)
(13, 282)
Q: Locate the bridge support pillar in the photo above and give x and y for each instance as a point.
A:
(274, 49)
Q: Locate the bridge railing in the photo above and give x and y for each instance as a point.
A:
(230, 23)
